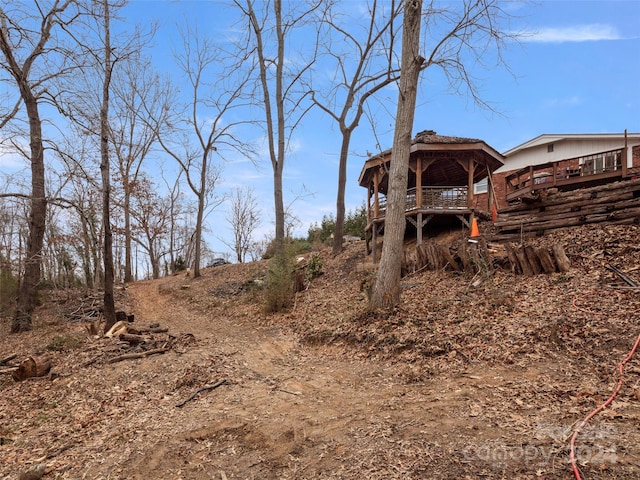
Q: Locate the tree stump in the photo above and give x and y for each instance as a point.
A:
(32, 367)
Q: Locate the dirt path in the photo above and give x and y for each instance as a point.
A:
(292, 411)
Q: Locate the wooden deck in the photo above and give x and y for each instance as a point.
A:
(562, 175)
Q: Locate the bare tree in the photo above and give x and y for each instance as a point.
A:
(89, 109)
(108, 61)
(461, 37)
(78, 155)
(244, 218)
(21, 47)
(386, 289)
(214, 95)
(132, 138)
(279, 81)
(151, 215)
(353, 52)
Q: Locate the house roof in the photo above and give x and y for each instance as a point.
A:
(547, 138)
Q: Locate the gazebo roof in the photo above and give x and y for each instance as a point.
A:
(439, 147)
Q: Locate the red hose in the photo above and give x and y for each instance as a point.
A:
(576, 432)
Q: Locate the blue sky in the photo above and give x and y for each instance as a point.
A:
(577, 71)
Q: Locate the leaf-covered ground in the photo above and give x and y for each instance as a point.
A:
(482, 377)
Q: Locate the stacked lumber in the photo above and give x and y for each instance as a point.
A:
(549, 210)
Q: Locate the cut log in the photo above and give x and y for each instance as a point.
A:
(463, 253)
(33, 367)
(533, 259)
(513, 260)
(133, 339)
(478, 257)
(117, 329)
(421, 256)
(158, 330)
(546, 261)
(446, 254)
(564, 264)
(525, 267)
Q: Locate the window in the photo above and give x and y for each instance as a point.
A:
(482, 186)
(550, 148)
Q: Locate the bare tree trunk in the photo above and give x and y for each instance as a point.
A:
(200, 215)
(386, 290)
(28, 292)
(128, 276)
(338, 233)
(274, 102)
(109, 303)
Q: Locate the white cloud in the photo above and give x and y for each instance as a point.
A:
(576, 33)
(11, 160)
(571, 101)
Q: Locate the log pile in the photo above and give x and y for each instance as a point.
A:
(477, 256)
(126, 341)
(528, 260)
(468, 256)
(548, 210)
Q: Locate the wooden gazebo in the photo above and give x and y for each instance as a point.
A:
(442, 172)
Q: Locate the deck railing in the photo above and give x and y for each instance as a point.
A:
(564, 173)
(433, 198)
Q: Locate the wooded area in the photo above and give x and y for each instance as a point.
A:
(140, 141)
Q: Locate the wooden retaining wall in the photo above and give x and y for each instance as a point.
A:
(550, 210)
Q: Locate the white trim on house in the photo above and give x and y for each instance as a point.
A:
(555, 147)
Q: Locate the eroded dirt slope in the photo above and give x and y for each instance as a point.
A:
(465, 379)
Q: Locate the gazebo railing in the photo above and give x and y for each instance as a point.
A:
(433, 198)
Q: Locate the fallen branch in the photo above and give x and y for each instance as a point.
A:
(200, 390)
(626, 279)
(8, 359)
(287, 391)
(58, 451)
(91, 361)
(129, 356)
(8, 370)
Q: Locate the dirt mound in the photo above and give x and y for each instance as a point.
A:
(469, 377)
